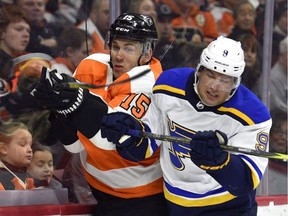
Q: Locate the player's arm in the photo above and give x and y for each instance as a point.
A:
(83, 109)
(238, 174)
(115, 127)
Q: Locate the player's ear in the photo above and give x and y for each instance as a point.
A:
(146, 57)
(3, 149)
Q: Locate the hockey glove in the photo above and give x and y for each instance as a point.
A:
(206, 152)
(63, 101)
(115, 125)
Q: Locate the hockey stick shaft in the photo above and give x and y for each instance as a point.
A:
(75, 85)
(272, 155)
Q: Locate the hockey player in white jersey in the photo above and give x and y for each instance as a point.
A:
(210, 106)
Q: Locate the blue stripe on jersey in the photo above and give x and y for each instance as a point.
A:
(256, 173)
(189, 199)
(176, 78)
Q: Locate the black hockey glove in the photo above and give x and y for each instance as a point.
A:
(115, 125)
(206, 152)
(63, 101)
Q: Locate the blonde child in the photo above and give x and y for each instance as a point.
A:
(16, 155)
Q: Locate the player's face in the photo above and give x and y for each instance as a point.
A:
(125, 56)
(214, 88)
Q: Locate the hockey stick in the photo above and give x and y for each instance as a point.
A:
(272, 155)
(74, 85)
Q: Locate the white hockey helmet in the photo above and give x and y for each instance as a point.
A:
(224, 56)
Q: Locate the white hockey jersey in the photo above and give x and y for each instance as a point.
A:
(176, 110)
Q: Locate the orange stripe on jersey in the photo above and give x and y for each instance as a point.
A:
(154, 187)
(105, 163)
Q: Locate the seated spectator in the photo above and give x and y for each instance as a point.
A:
(43, 34)
(244, 18)
(97, 24)
(278, 79)
(15, 36)
(277, 172)
(16, 156)
(193, 24)
(280, 28)
(146, 7)
(63, 13)
(73, 46)
(252, 72)
(73, 178)
(41, 167)
(167, 45)
(222, 11)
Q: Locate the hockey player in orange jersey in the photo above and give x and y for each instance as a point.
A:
(121, 187)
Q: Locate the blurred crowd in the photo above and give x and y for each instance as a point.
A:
(58, 34)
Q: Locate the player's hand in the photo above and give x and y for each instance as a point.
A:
(206, 152)
(115, 126)
(63, 101)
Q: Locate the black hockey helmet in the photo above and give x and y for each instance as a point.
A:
(133, 26)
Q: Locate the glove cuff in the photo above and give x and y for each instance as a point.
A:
(76, 104)
(225, 163)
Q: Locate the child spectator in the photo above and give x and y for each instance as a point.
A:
(42, 168)
(16, 156)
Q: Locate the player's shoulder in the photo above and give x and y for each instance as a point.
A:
(174, 78)
(246, 107)
(101, 57)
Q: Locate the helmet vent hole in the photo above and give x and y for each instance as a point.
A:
(224, 71)
(215, 67)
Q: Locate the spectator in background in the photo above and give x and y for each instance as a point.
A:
(41, 167)
(222, 11)
(193, 24)
(280, 28)
(73, 179)
(277, 172)
(244, 18)
(146, 7)
(16, 155)
(73, 46)
(97, 24)
(278, 79)
(43, 34)
(166, 47)
(252, 72)
(15, 36)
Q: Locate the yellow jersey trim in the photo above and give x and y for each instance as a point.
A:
(216, 199)
(170, 89)
(237, 113)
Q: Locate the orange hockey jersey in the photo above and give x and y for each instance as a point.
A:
(104, 169)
